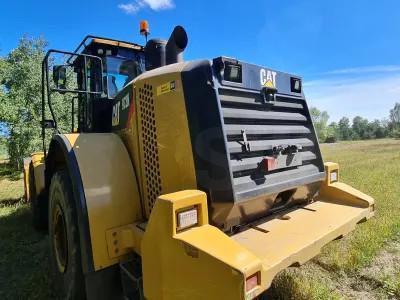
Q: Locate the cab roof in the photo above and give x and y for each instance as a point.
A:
(91, 41)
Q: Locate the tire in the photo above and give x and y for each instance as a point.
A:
(37, 203)
(66, 274)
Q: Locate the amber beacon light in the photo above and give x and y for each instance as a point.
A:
(144, 28)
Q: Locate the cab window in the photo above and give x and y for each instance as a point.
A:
(119, 72)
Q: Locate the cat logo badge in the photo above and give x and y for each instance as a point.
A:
(268, 78)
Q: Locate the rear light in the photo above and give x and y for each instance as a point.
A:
(269, 163)
(295, 85)
(252, 282)
(333, 176)
(187, 218)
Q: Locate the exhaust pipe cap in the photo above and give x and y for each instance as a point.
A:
(176, 44)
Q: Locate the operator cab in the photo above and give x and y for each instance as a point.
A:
(89, 78)
(122, 62)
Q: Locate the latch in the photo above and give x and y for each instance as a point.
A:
(269, 94)
(245, 144)
(288, 150)
(282, 157)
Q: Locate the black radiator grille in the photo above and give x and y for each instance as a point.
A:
(267, 125)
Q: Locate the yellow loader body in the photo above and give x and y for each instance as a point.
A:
(194, 180)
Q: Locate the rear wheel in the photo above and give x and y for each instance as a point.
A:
(65, 259)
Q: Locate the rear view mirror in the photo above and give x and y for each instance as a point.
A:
(60, 76)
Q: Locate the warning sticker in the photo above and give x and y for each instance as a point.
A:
(166, 88)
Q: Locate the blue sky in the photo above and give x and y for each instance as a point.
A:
(348, 52)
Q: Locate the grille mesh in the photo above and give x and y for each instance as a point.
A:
(149, 145)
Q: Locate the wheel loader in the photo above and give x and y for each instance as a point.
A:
(179, 179)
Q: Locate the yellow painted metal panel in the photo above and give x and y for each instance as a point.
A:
(110, 187)
(27, 162)
(117, 43)
(299, 236)
(166, 155)
(38, 169)
(199, 263)
(36, 161)
(130, 137)
(201, 256)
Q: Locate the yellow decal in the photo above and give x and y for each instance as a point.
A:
(166, 88)
(269, 83)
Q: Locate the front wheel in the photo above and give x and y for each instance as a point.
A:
(65, 258)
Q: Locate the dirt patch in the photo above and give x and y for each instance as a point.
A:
(380, 280)
(369, 282)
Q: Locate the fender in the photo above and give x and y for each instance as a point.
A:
(36, 162)
(105, 190)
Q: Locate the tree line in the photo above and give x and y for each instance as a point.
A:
(358, 129)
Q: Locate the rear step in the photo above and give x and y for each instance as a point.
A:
(240, 266)
(131, 278)
(297, 236)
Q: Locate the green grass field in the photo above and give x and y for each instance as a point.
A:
(363, 265)
(23, 251)
(374, 168)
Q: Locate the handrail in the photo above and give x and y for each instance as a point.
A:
(47, 91)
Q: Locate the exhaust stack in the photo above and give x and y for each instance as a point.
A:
(155, 54)
(176, 45)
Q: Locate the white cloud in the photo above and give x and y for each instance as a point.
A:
(364, 70)
(135, 6)
(160, 4)
(364, 95)
(130, 8)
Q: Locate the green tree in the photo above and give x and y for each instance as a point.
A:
(360, 128)
(345, 131)
(395, 114)
(332, 133)
(20, 104)
(394, 123)
(20, 99)
(377, 129)
(320, 120)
